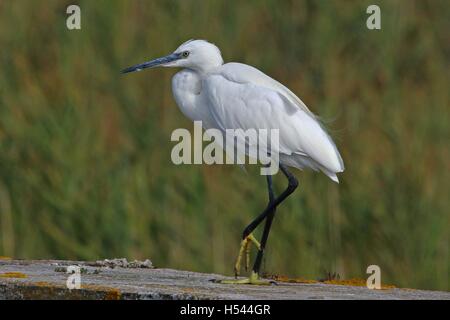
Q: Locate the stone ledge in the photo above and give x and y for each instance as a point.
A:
(46, 279)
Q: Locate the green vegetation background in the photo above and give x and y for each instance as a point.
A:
(85, 169)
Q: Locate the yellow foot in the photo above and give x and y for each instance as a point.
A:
(253, 279)
(245, 249)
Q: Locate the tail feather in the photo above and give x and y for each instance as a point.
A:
(300, 162)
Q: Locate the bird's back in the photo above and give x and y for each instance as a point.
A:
(242, 97)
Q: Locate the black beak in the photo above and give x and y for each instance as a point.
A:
(153, 63)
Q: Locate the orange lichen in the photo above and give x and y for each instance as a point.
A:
(44, 284)
(356, 283)
(5, 258)
(13, 275)
(349, 282)
(387, 286)
(110, 293)
(331, 279)
(281, 278)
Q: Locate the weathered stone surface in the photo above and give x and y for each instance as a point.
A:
(20, 279)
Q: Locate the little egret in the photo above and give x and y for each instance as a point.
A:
(239, 96)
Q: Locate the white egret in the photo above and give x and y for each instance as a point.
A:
(238, 96)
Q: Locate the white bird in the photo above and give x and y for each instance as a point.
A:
(239, 96)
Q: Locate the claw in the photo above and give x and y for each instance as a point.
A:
(237, 266)
(253, 279)
(245, 249)
(247, 257)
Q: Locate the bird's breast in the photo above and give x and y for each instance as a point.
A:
(186, 82)
(187, 92)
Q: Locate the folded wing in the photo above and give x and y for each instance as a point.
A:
(242, 97)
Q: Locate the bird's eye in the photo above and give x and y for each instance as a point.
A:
(185, 54)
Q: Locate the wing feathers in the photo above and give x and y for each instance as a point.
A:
(240, 96)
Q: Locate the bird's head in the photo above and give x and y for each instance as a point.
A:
(197, 55)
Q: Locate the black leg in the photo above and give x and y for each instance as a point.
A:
(267, 226)
(292, 185)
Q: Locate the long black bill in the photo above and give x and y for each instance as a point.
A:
(154, 63)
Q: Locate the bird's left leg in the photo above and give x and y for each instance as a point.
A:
(248, 239)
(292, 185)
(244, 251)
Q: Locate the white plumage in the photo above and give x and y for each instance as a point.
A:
(235, 95)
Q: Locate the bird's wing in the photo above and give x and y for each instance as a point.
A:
(242, 97)
(243, 73)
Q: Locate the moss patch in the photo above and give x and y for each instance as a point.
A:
(109, 293)
(334, 281)
(286, 279)
(356, 283)
(13, 275)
